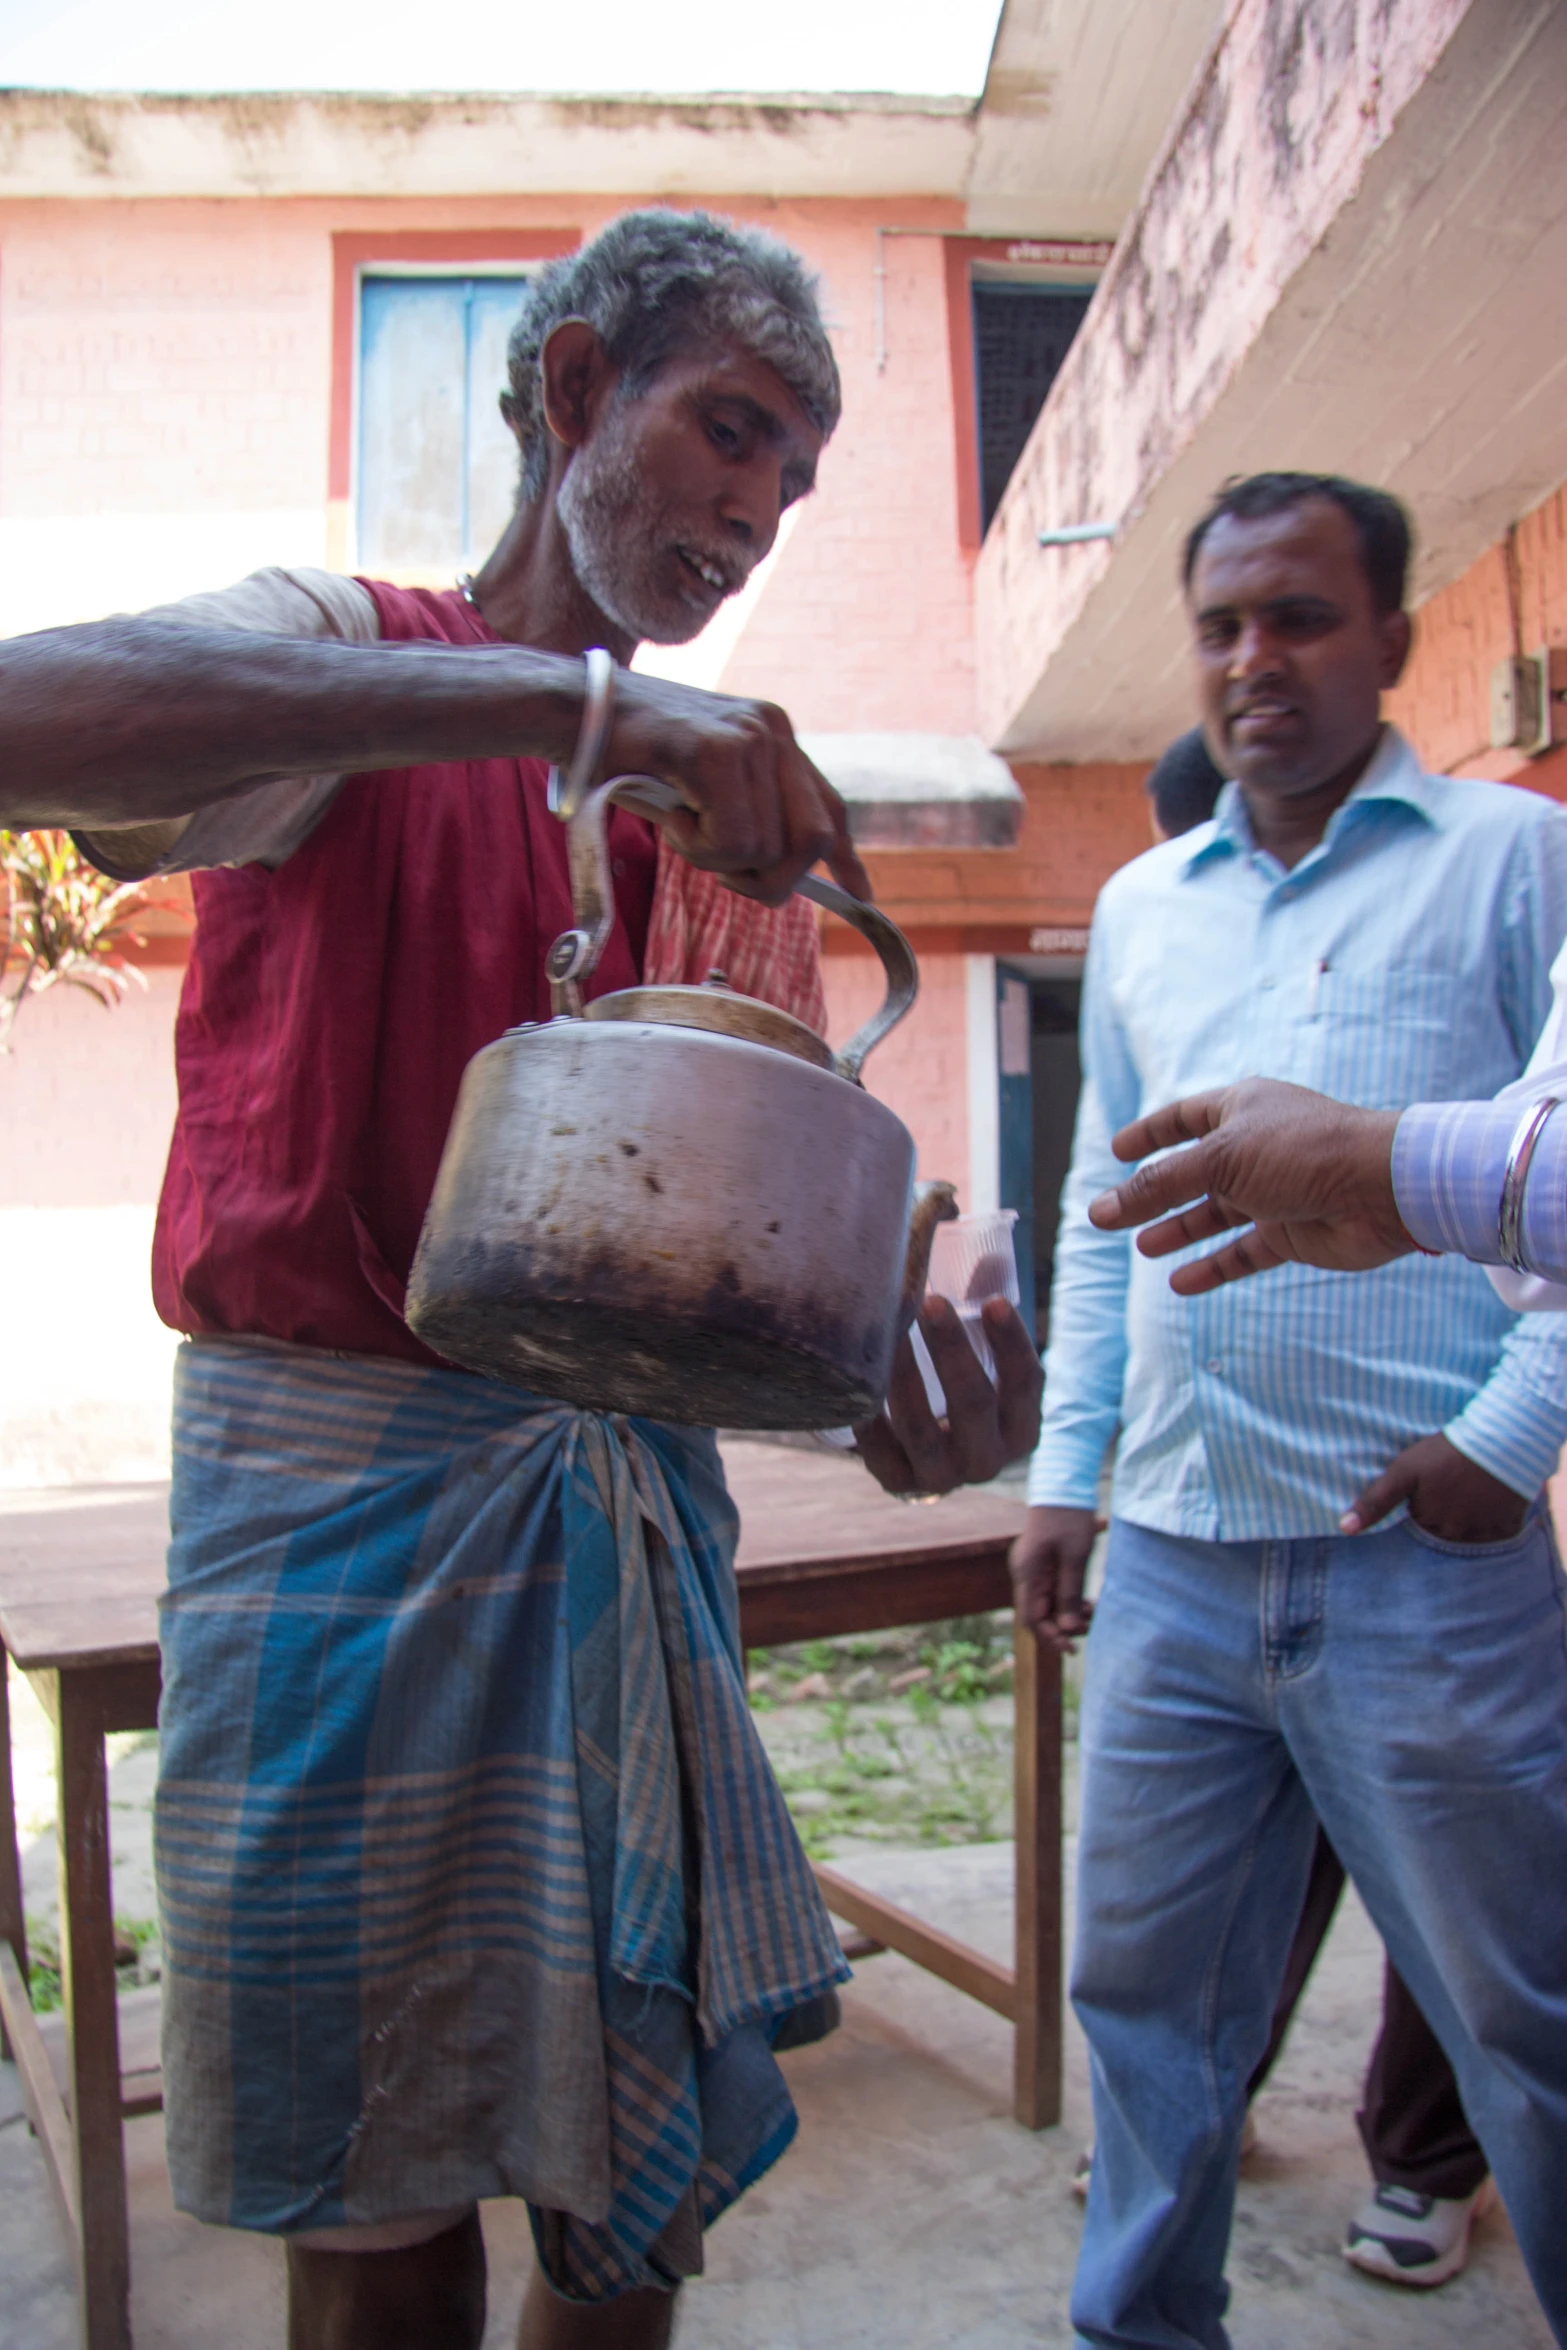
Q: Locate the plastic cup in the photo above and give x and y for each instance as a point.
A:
(972, 1260)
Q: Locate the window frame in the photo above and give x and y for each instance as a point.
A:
(440, 253)
(1052, 264)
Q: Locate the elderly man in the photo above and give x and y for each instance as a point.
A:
(1249, 1665)
(474, 1878)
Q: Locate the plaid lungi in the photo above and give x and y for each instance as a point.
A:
(475, 1879)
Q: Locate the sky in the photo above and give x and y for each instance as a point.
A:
(908, 47)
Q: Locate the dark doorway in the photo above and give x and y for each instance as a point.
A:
(1057, 1077)
(1038, 1080)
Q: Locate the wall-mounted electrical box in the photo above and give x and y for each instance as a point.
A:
(1529, 701)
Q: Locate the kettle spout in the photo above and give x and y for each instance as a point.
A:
(934, 1203)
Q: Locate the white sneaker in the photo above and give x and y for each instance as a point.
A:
(1414, 2239)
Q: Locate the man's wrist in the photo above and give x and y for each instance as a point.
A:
(1449, 1163)
(1513, 1434)
(554, 685)
(571, 781)
(1053, 1487)
(1515, 1180)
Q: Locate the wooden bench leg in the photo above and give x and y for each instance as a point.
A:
(1036, 2061)
(13, 1921)
(91, 2014)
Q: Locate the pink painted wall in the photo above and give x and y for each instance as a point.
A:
(171, 360)
(87, 1098)
(162, 357)
(869, 620)
(1514, 598)
(86, 1103)
(921, 1069)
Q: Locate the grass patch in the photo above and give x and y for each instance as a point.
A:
(900, 1737)
(131, 1937)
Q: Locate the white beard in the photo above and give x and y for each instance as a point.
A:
(613, 526)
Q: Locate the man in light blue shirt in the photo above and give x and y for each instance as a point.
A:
(1352, 924)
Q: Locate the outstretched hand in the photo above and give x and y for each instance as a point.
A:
(908, 1450)
(1310, 1177)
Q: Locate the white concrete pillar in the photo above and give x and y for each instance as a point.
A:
(984, 1098)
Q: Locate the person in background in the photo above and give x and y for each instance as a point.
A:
(1254, 1665)
(1430, 2173)
(473, 1875)
(1183, 784)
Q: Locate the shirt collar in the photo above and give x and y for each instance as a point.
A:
(1392, 774)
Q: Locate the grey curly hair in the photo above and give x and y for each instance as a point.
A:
(657, 282)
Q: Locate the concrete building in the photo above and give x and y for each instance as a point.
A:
(1173, 239)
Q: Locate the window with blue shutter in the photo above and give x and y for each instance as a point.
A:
(437, 468)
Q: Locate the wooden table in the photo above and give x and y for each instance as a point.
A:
(823, 1551)
(78, 1611)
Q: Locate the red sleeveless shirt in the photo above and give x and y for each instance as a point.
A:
(327, 1016)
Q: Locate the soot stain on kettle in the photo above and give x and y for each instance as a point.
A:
(620, 1342)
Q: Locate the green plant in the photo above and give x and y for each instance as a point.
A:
(65, 925)
(959, 1671)
(131, 1937)
(43, 1966)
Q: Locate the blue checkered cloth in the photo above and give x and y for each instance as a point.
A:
(475, 1879)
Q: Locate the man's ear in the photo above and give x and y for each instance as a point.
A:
(1397, 634)
(577, 378)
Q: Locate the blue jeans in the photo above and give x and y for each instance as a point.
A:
(1413, 1695)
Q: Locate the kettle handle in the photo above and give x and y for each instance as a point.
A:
(897, 961)
(576, 951)
(575, 954)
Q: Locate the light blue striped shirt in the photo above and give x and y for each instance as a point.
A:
(1407, 958)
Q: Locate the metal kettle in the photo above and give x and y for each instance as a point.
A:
(678, 1201)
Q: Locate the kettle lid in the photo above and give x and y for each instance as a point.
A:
(717, 1008)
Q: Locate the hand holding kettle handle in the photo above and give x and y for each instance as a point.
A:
(575, 952)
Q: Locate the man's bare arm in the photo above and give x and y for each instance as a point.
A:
(125, 722)
(1310, 1177)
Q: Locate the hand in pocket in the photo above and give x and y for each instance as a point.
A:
(1448, 1495)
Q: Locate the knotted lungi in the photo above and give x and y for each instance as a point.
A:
(475, 1879)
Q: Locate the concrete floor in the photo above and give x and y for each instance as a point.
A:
(911, 2210)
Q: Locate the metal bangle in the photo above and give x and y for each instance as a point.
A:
(566, 794)
(1520, 1157)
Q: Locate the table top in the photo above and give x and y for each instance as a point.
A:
(81, 1570)
(80, 1574)
(799, 1509)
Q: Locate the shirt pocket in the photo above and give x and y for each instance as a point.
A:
(1381, 1039)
